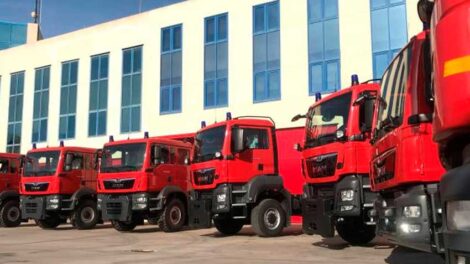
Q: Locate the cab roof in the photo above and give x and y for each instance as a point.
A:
(243, 121)
(64, 148)
(166, 140)
(10, 155)
(355, 88)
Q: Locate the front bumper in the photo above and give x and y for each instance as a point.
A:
(203, 205)
(39, 207)
(122, 207)
(413, 232)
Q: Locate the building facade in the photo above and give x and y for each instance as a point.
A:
(166, 70)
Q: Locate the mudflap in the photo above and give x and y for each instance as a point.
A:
(200, 215)
(317, 218)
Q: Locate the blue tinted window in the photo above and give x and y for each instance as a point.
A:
(12, 35)
(389, 32)
(41, 104)
(131, 94)
(324, 46)
(216, 62)
(266, 52)
(15, 112)
(68, 100)
(98, 95)
(171, 68)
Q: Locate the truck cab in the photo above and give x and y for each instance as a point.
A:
(405, 167)
(59, 183)
(142, 179)
(235, 177)
(335, 160)
(10, 172)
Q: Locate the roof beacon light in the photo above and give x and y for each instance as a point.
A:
(146, 134)
(34, 145)
(317, 97)
(229, 116)
(203, 124)
(354, 79)
(111, 138)
(61, 143)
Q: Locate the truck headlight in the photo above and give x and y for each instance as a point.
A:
(347, 195)
(458, 215)
(139, 201)
(409, 228)
(412, 211)
(52, 202)
(221, 197)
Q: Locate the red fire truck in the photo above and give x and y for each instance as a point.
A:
(236, 171)
(405, 167)
(10, 171)
(336, 158)
(450, 54)
(59, 183)
(145, 179)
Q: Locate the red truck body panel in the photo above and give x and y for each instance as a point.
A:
(354, 156)
(61, 182)
(149, 178)
(451, 55)
(10, 171)
(290, 160)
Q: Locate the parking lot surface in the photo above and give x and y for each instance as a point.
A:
(147, 244)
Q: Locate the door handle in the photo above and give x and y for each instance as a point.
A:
(260, 166)
(170, 179)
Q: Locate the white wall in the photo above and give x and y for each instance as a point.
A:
(144, 29)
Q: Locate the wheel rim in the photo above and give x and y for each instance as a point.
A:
(87, 215)
(272, 218)
(13, 214)
(175, 215)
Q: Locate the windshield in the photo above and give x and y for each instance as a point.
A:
(325, 119)
(41, 163)
(207, 143)
(126, 157)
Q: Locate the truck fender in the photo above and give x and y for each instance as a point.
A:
(166, 192)
(261, 184)
(9, 195)
(81, 193)
(350, 182)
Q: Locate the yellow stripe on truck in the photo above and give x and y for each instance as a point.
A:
(456, 66)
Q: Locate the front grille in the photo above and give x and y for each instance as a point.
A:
(113, 208)
(117, 184)
(36, 186)
(322, 166)
(204, 177)
(31, 208)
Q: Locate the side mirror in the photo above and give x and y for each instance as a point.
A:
(298, 147)
(297, 117)
(68, 162)
(237, 136)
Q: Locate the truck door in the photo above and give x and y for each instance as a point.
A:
(181, 169)
(256, 158)
(164, 167)
(73, 178)
(390, 119)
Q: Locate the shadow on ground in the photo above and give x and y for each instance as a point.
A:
(336, 243)
(248, 232)
(401, 255)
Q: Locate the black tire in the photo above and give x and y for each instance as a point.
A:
(228, 226)
(50, 222)
(354, 231)
(10, 214)
(173, 216)
(86, 215)
(268, 218)
(123, 226)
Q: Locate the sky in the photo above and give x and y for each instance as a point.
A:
(62, 16)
